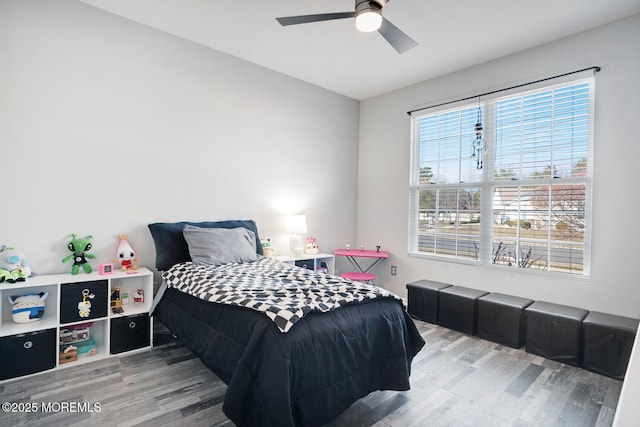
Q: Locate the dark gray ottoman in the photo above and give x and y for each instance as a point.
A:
(501, 319)
(554, 331)
(607, 343)
(423, 299)
(458, 308)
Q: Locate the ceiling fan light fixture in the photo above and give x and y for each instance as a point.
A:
(368, 16)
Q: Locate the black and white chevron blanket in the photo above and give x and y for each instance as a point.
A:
(284, 292)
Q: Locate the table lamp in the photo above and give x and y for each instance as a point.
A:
(296, 225)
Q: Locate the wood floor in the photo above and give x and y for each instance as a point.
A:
(456, 380)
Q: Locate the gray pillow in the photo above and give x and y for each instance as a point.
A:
(216, 246)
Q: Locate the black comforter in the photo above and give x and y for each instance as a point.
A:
(304, 377)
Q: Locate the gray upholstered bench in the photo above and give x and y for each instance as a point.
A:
(554, 331)
(608, 340)
(458, 308)
(501, 319)
(423, 299)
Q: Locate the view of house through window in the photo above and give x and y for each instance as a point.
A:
(526, 204)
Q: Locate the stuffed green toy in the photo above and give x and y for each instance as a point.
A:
(13, 265)
(79, 247)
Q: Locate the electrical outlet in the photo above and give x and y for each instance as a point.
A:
(394, 270)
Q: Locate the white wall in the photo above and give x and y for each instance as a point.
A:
(383, 179)
(107, 125)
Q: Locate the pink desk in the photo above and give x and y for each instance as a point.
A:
(352, 254)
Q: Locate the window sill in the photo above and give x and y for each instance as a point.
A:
(503, 268)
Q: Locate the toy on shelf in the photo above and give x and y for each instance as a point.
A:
(311, 247)
(79, 247)
(323, 267)
(87, 347)
(27, 308)
(138, 296)
(116, 302)
(75, 333)
(13, 265)
(267, 249)
(74, 341)
(68, 354)
(84, 306)
(126, 255)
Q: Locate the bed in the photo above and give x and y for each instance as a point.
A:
(294, 346)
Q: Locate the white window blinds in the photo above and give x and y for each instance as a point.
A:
(528, 207)
(543, 134)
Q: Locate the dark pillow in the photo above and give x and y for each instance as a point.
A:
(171, 248)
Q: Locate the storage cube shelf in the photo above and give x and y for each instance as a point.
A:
(111, 333)
(321, 261)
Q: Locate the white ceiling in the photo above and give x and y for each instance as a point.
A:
(452, 34)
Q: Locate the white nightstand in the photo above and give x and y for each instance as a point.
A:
(312, 262)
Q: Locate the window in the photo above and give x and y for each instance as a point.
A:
(527, 204)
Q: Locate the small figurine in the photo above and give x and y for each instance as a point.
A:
(267, 249)
(79, 247)
(84, 306)
(138, 296)
(311, 247)
(126, 255)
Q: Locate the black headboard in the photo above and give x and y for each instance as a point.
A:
(171, 248)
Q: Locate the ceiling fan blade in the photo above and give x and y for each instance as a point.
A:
(396, 38)
(304, 19)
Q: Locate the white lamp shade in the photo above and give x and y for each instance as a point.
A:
(296, 224)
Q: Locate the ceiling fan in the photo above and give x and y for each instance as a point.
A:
(368, 15)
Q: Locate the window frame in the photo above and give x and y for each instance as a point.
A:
(487, 182)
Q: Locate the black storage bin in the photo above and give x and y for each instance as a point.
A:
(305, 263)
(501, 319)
(72, 294)
(28, 353)
(423, 299)
(458, 308)
(608, 340)
(129, 333)
(554, 331)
